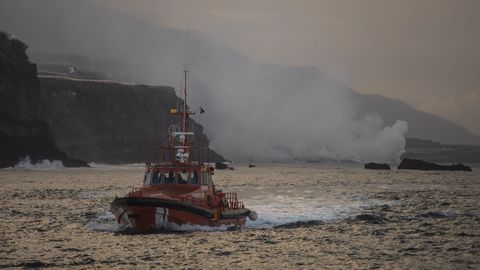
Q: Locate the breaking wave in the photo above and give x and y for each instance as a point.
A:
(285, 210)
(26, 164)
(105, 223)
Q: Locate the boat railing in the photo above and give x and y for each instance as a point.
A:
(230, 200)
(227, 200)
(201, 154)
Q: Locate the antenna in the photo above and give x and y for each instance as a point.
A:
(186, 44)
(185, 74)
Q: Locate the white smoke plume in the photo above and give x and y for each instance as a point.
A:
(264, 113)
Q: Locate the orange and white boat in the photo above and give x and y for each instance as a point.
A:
(178, 187)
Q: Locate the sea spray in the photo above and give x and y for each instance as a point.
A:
(26, 164)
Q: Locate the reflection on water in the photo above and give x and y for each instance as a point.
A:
(309, 216)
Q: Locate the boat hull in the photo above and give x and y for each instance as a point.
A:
(145, 214)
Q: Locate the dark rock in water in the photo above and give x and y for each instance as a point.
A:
(251, 165)
(416, 164)
(223, 253)
(377, 166)
(23, 132)
(34, 264)
(370, 218)
(300, 224)
(220, 166)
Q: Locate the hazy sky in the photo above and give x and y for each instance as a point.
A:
(426, 52)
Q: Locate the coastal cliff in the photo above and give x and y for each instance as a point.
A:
(68, 119)
(22, 132)
(111, 122)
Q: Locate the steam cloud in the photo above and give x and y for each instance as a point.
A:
(265, 113)
(254, 110)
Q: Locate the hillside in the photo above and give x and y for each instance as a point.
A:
(22, 132)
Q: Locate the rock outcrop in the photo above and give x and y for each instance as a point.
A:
(221, 166)
(377, 166)
(22, 132)
(416, 164)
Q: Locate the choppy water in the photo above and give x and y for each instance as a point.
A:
(310, 216)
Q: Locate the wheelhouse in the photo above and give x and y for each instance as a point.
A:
(192, 175)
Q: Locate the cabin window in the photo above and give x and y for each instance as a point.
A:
(156, 178)
(171, 178)
(194, 178)
(162, 178)
(208, 179)
(148, 178)
(202, 179)
(182, 177)
(205, 178)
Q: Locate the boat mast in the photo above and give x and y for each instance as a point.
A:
(183, 152)
(185, 107)
(185, 111)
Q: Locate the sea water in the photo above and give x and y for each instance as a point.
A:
(309, 216)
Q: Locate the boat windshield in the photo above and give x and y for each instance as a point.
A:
(170, 179)
(158, 178)
(182, 177)
(194, 178)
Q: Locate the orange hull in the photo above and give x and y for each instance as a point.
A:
(147, 214)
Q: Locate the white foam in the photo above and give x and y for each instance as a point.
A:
(104, 227)
(26, 164)
(283, 210)
(91, 195)
(105, 223)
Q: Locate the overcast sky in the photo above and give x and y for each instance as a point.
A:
(426, 52)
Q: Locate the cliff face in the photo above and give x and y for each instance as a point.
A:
(18, 80)
(22, 131)
(110, 122)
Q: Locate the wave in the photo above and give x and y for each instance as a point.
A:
(26, 164)
(105, 223)
(284, 210)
